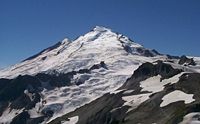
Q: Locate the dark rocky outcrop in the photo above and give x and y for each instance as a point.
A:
(21, 118)
(24, 118)
(147, 70)
(88, 71)
(15, 87)
(14, 92)
(145, 52)
(189, 83)
(3, 106)
(98, 66)
(55, 80)
(141, 50)
(186, 61)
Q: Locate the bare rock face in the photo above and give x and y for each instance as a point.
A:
(186, 61)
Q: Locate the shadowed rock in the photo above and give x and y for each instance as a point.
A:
(147, 70)
(184, 60)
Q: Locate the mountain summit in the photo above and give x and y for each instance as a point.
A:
(101, 29)
(100, 44)
(100, 77)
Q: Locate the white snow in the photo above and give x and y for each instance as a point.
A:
(135, 100)
(69, 98)
(8, 115)
(72, 120)
(128, 91)
(176, 96)
(191, 118)
(154, 84)
(195, 68)
(188, 68)
(34, 113)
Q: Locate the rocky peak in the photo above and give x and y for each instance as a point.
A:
(186, 61)
(101, 29)
(147, 70)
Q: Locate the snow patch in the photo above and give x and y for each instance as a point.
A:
(135, 100)
(154, 84)
(176, 96)
(8, 115)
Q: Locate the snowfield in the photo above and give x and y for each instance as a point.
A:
(176, 96)
(154, 84)
(135, 100)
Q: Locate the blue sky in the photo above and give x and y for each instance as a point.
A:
(28, 26)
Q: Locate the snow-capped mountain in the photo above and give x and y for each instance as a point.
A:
(101, 44)
(88, 74)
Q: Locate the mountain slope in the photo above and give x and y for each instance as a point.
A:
(65, 78)
(155, 93)
(71, 74)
